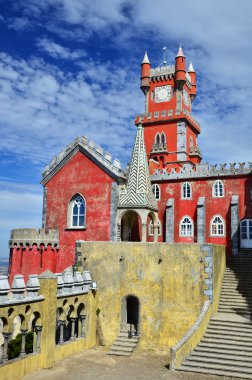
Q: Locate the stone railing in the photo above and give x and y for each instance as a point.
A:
(19, 292)
(162, 71)
(202, 171)
(96, 151)
(167, 115)
(30, 236)
(69, 282)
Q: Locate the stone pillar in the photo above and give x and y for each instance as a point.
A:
(155, 228)
(235, 224)
(201, 221)
(23, 333)
(73, 321)
(144, 232)
(61, 338)
(83, 332)
(5, 348)
(169, 219)
(38, 330)
(113, 211)
(44, 207)
(118, 232)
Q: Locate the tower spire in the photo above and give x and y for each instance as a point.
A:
(145, 58)
(180, 52)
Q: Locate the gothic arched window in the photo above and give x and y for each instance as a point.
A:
(186, 226)
(157, 139)
(156, 191)
(163, 139)
(218, 189)
(186, 191)
(77, 211)
(217, 226)
(151, 228)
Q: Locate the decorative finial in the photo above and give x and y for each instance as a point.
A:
(180, 52)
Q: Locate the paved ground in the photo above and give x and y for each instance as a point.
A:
(94, 364)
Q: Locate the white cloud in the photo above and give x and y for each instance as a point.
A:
(59, 52)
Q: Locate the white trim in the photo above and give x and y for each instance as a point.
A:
(70, 212)
(186, 225)
(182, 190)
(155, 191)
(151, 228)
(220, 185)
(223, 224)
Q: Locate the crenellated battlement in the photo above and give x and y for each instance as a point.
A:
(93, 151)
(30, 236)
(202, 171)
(167, 115)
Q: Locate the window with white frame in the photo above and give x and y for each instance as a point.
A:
(156, 191)
(186, 226)
(78, 211)
(186, 191)
(151, 228)
(218, 189)
(217, 226)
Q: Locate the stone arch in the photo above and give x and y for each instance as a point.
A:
(130, 314)
(131, 226)
(152, 222)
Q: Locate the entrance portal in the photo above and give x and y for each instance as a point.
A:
(132, 311)
(130, 230)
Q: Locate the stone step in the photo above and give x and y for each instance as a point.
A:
(228, 337)
(227, 342)
(219, 366)
(220, 346)
(244, 363)
(116, 347)
(223, 331)
(215, 372)
(219, 322)
(124, 344)
(219, 352)
(124, 339)
(241, 301)
(118, 353)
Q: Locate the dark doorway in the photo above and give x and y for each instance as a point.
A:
(132, 310)
(130, 230)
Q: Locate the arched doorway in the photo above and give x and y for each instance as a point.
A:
(246, 233)
(130, 227)
(130, 314)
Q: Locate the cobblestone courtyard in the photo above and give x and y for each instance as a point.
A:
(94, 364)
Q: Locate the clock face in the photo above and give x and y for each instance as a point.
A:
(162, 94)
(186, 97)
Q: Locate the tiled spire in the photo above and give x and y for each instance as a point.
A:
(138, 191)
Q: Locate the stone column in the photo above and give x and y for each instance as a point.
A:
(144, 232)
(5, 348)
(23, 333)
(169, 219)
(61, 338)
(38, 330)
(73, 320)
(83, 332)
(155, 228)
(201, 221)
(234, 224)
(118, 232)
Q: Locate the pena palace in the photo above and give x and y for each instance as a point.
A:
(167, 194)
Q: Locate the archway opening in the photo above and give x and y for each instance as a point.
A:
(130, 227)
(132, 308)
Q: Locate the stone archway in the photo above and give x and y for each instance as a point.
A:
(130, 318)
(130, 226)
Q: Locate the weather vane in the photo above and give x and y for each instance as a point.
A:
(164, 50)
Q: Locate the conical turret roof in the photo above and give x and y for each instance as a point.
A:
(191, 68)
(138, 191)
(145, 58)
(180, 52)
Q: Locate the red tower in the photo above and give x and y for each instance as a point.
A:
(170, 131)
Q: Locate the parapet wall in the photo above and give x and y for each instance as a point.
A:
(60, 311)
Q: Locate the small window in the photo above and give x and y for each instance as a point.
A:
(186, 226)
(78, 210)
(157, 139)
(186, 191)
(151, 228)
(156, 191)
(217, 226)
(163, 140)
(218, 189)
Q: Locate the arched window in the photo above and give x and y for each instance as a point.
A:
(191, 143)
(186, 191)
(157, 139)
(151, 228)
(217, 226)
(218, 189)
(186, 226)
(77, 210)
(156, 191)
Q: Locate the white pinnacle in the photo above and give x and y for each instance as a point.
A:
(145, 58)
(191, 68)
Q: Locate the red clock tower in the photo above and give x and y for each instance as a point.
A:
(170, 131)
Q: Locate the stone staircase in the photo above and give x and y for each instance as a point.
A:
(124, 344)
(226, 347)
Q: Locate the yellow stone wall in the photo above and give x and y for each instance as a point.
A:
(168, 279)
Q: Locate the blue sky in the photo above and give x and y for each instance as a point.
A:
(70, 68)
